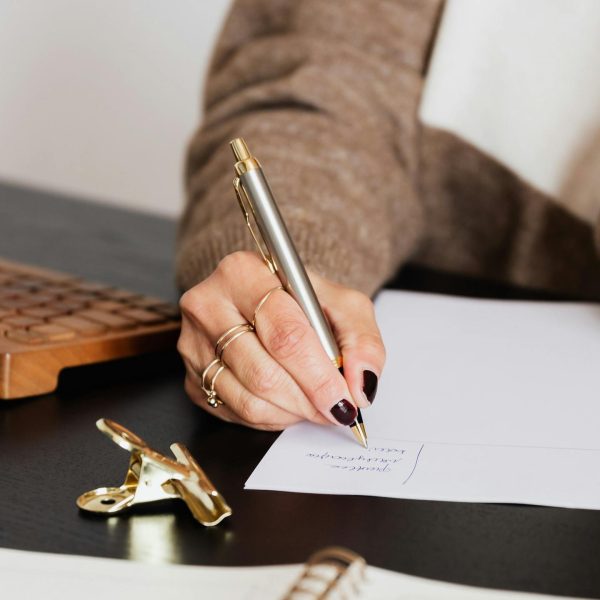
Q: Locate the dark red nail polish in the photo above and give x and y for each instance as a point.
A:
(370, 382)
(344, 412)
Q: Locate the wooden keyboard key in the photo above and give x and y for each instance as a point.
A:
(22, 285)
(78, 296)
(168, 310)
(14, 289)
(111, 320)
(24, 336)
(19, 302)
(41, 312)
(53, 333)
(145, 317)
(7, 294)
(108, 305)
(56, 290)
(121, 295)
(5, 312)
(21, 321)
(94, 288)
(80, 325)
(43, 297)
(148, 302)
(66, 306)
(36, 282)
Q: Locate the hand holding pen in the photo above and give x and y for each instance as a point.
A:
(287, 368)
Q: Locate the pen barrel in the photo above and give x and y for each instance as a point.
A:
(289, 267)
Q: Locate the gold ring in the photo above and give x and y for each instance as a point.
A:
(241, 331)
(229, 336)
(214, 400)
(263, 300)
(211, 395)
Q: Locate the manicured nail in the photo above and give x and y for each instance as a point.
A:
(370, 382)
(344, 412)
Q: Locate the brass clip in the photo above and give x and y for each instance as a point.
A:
(152, 476)
(247, 209)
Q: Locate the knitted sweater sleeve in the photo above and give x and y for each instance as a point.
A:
(326, 94)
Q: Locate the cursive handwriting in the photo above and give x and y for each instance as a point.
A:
(371, 460)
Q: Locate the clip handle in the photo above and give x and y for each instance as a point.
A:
(204, 501)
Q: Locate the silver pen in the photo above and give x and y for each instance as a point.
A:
(278, 251)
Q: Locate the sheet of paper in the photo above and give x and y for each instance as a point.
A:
(483, 401)
(62, 577)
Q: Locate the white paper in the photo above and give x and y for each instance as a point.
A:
(62, 577)
(480, 401)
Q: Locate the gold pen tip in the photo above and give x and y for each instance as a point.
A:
(360, 434)
(240, 149)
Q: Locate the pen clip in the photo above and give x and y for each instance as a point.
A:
(247, 209)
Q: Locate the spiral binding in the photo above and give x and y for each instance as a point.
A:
(330, 574)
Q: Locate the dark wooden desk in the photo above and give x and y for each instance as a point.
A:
(50, 450)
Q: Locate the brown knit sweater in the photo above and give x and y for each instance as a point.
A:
(326, 94)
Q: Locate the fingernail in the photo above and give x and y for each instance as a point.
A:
(344, 412)
(370, 382)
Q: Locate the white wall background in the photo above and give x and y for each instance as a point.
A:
(98, 98)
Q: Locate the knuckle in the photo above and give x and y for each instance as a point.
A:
(190, 344)
(372, 344)
(264, 377)
(235, 263)
(361, 302)
(191, 302)
(182, 345)
(247, 408)
(313, 414)
(326, 388)
(286, 336)
(186, 301)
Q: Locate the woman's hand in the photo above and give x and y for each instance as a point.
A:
(278, 374)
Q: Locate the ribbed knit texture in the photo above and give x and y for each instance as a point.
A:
(325, 93)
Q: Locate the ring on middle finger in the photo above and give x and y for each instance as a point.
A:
(229, 336)
(262, 301)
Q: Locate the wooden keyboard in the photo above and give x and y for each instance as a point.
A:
(49, 321)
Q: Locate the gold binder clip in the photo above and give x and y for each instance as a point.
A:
(152, 476)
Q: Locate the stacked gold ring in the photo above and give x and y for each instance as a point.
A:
(209, 388)
(217, 365)
(229, 336)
